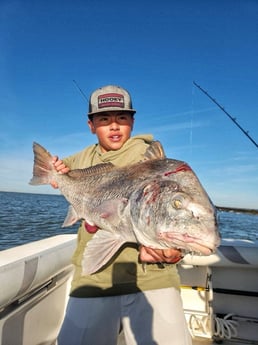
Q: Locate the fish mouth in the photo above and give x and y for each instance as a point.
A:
(189, 244)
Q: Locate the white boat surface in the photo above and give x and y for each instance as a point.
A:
(219, 292)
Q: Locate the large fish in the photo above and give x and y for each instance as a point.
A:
(158, 202)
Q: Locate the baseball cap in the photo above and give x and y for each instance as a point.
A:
(110, 98)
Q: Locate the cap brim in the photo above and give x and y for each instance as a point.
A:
(131, 111)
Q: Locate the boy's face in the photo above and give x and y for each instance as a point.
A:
(112, 128)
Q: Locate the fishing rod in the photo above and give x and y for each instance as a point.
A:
(231, 118)
(80, 90)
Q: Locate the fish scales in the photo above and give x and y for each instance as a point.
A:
(158, 202)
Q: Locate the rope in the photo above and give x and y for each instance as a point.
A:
(225, 328)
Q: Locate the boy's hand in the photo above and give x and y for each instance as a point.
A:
(60, 167)
(150, 255)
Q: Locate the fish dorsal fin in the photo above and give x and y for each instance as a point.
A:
(95, 170)
(154, 151)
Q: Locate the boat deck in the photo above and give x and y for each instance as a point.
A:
(36, 279)
(224, 342)
(201, 341)
(209, 342)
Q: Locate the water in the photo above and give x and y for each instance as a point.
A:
(30, 217)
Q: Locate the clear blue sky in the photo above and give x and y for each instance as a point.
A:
(155, 49)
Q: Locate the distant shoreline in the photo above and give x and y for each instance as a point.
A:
(237, 209)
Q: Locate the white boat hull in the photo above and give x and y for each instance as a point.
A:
(33, 292)
(219, 292)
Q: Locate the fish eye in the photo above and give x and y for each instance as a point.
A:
(178, 202)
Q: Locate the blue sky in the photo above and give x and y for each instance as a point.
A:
(155, 49)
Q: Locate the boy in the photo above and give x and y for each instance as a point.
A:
(145, 304)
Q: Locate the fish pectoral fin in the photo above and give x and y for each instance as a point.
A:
(99, 250)
(71, 217)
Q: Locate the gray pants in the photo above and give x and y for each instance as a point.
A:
(152, 317)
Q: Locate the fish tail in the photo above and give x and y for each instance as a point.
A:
(43, 169)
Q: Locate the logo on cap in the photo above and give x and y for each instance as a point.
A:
(111, 100)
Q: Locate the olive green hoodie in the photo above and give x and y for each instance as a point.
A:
(124, 274)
